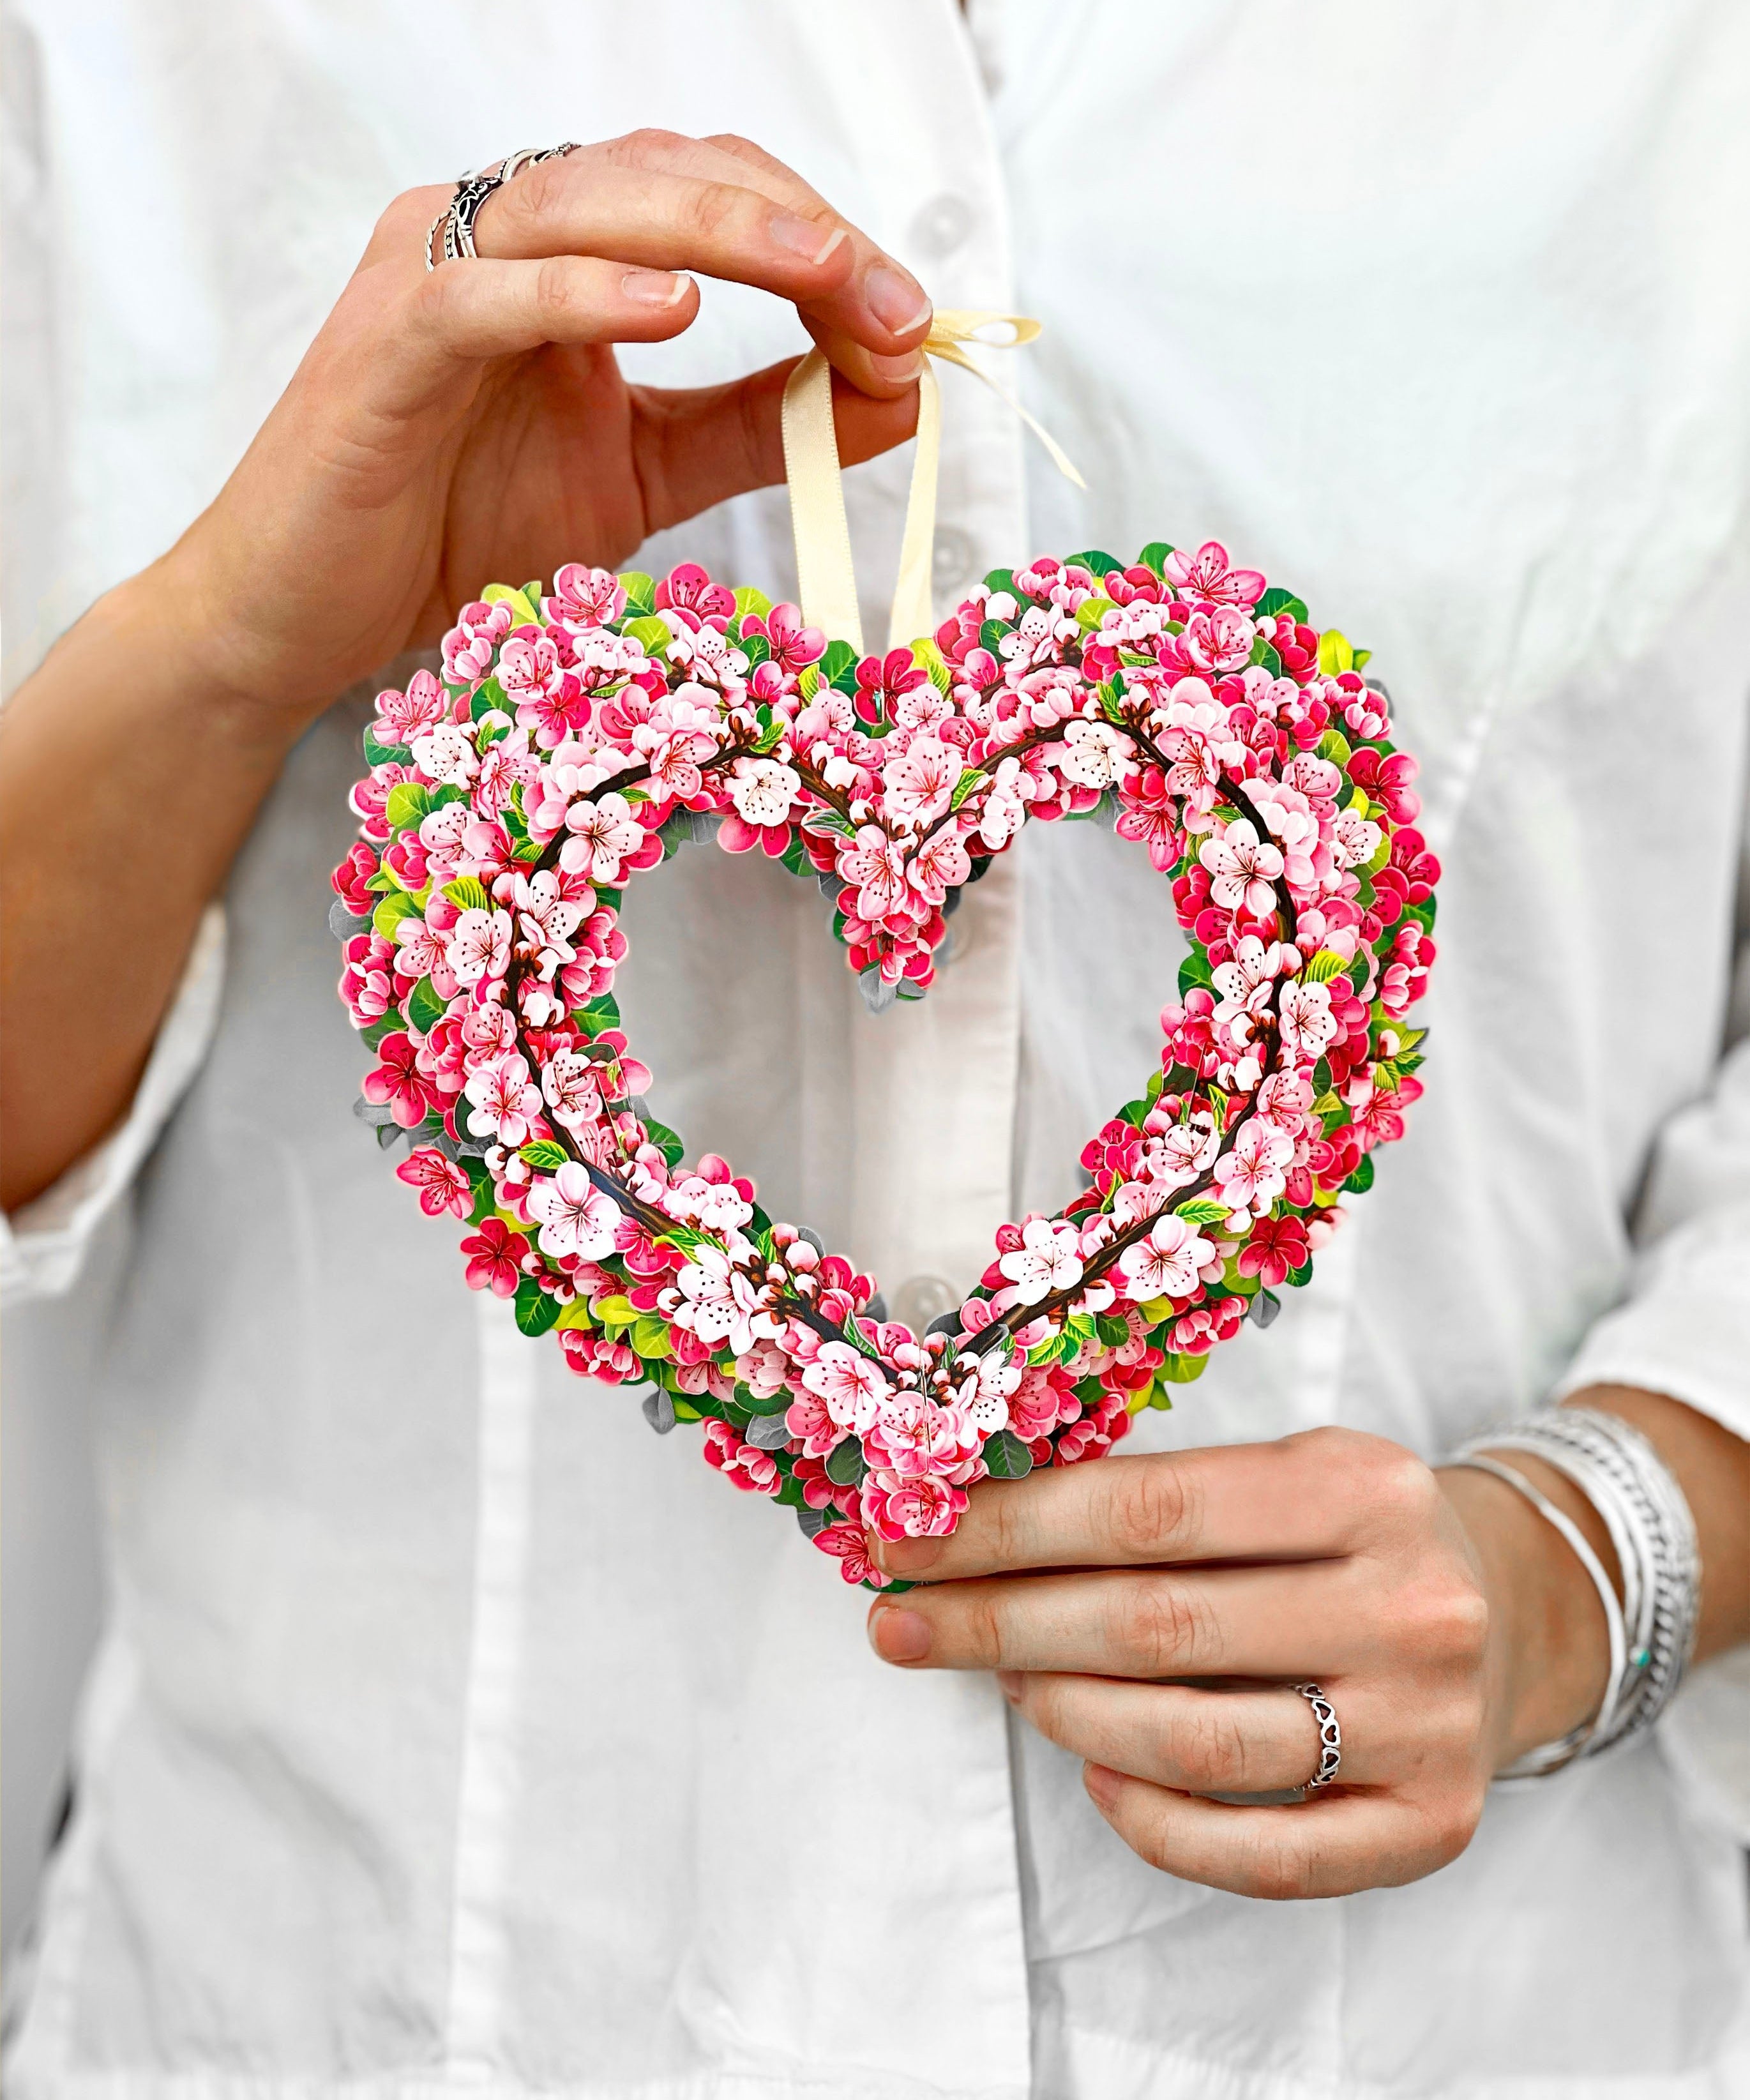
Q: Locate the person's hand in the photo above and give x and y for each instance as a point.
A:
(1331, 1556)
(452, 428)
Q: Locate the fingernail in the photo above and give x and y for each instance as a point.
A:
(1011, 1681)
(654, 288)
(804, 237)
(897, 1635)
(893, 299)
(907, 365)
(906, 1556)
(1102, 1784)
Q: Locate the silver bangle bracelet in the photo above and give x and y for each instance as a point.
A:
(1653, 1533)
(1550, 1757)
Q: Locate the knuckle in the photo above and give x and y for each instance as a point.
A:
(1279, 1870)
(1450, 1825)
(534, 195)
(554, 286)
(1161, 1626)
(1210, 1745)
(985, 1629)
(1444, 1623)
(1148, 1506)
(650, 143)
(711, 208)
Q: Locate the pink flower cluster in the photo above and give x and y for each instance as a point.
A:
(573, 740)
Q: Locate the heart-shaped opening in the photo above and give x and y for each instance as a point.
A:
(579, 737)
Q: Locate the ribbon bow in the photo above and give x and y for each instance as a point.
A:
(826, 577)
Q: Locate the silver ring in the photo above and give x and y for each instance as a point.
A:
(1330, 1735)
(457, 218)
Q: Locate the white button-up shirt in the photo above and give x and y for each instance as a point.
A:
(452, 1730)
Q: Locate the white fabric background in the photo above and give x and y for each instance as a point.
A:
(1450, 345)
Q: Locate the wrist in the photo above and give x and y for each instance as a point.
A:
(1550, 1656)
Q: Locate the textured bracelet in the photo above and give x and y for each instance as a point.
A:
(1653, 1532)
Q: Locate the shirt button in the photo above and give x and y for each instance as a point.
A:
(953, 570)
(942, 224)
(921, 1299)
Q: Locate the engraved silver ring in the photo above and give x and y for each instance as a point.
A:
(457, 220)
(1330, 1735)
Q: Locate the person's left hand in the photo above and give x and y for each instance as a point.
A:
(1332, 1556)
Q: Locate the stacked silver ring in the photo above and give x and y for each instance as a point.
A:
(457, 218)
(1650, 1527)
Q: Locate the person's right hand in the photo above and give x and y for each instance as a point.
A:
(452, 428)
(447, 429)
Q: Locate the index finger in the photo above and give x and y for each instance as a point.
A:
(661, 201)
(1240, 1502)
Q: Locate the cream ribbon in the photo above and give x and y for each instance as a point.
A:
(825, 578)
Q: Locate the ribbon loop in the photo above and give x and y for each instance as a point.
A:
(826, 576)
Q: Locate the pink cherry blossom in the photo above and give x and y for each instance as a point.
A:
(1245, 868)
(1046, 1260)
(442, 1184)
(1167, 1263)
(602, 833)
(576, 1217)
(505, 1099)
(494, 1257)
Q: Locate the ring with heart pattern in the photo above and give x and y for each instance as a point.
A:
(578, 737)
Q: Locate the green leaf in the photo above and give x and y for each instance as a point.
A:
(408, 801)
(838, 666)
(749, 600)
(845, 1464)
(1154, 556)
(1006, 1457)
(542, 1154)
(1277, 600)
(809, 684)
(491, 699)
(537, 1310)
(1334, 746)
(1358, 973)
(1109, 695)
(666, 1141)
(467, 892)
(615, 1310)
(1264, 653)
(651, 633)
(601, 1013)
(1203, 1211)
(1182, 1370)
(973, 777)
(1002, 580)
(1335, 653)
(1194, 970)
(1362, 1179)
(1113, 1333)
(424, 1009)
(649, 1338)
(1324, 966)
(391, 911)
(1095, 560)
(1362, 657)
(1091, 610)
(385, 754)
(992, 635)
(520, 611)
(640, 590)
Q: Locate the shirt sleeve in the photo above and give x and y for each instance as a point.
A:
(43, 1244)
(1684, 1327)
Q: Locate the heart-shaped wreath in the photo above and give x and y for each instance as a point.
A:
(578, 737)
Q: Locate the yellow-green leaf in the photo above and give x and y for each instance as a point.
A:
(1335, 653)
(614, 1311)
(520, 611)
(1324, 966)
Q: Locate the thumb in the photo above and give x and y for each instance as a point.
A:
(697, 446)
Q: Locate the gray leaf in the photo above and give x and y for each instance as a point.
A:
(659, 1410)
(944, 1323)
(813, 1238)
(342, 924)
(376, 1114)
(878, 996)
(814, 1521)
(768, 1432)
(830, 884)
(388, 1134)
(1264, 1308)
(876, 1308)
